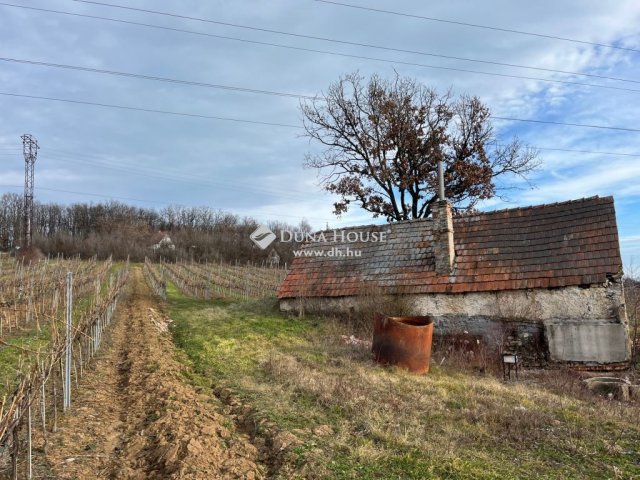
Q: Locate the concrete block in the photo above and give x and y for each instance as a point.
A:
(610, 387)
(593, 342)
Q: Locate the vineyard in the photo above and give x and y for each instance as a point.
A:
(208, 281)
(48, 334)
(53, 316)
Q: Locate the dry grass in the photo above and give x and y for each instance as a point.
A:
(29, 255)
(385, 423)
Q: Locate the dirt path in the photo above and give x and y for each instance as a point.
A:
(134, 417)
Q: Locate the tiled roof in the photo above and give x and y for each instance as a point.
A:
(554, 245)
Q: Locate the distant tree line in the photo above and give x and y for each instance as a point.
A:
(118, 229)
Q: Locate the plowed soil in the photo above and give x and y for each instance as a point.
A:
(134, 415)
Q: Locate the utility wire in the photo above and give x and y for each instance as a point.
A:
(567, 150)
(581, 125)
(156, 78)
(163, 174)
(324, 52)
(86, 160)
(357, 44)
(149, 110)
(99, 161)
(591, 152)
(210, 117)
(535, 147)
(86, 193)
(158, 174)
(476, 25)
(170, 176)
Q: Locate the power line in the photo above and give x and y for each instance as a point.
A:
(149, 110)
(88, 194)
(164, 174)
(476, 25)
(99, 161)
(324, 52)
(147, 173)
(59, 155)
(173, 177)
(156, 78)
(591, 152)
(232, 185)
(567, 150)
(581, 125)
(226, 87)
(209, 117)
(346, 42)
(169, 80)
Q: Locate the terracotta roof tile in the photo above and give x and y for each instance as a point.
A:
(556, 245)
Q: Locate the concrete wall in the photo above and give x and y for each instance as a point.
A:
(570, 324)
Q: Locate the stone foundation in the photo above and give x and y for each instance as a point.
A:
(572, 324)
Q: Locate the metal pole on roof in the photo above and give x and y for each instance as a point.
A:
(441, 196)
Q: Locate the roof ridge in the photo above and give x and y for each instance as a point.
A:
(469, 215)
(541, 205)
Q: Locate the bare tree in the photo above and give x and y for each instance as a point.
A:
(383, 140)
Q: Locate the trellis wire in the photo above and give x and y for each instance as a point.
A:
(77, 346)
(155, 279)
(206, 281)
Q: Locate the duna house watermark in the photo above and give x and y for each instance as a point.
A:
(263, 238)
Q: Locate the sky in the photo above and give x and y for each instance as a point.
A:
(90, 153)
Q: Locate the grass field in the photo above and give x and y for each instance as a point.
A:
(339, 416)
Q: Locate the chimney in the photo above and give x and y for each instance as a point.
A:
(443, 248)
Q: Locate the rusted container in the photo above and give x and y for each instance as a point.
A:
(403, 341)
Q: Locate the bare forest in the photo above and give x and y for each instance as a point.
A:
(198, 233)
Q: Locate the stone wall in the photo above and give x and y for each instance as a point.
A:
(570, 324)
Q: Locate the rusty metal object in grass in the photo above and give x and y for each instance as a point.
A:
(404, 342)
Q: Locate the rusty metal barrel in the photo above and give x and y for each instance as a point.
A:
(403, 341)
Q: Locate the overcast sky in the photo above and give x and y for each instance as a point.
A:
(151, 159)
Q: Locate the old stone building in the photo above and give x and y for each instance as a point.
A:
(546, 276)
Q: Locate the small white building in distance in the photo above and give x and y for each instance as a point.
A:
(162, 241)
